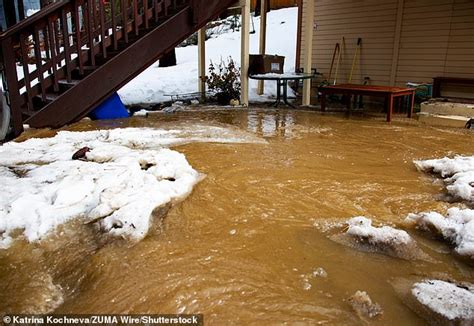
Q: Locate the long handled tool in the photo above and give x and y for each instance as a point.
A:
(337, 50)
(339, 60)
(354, 61)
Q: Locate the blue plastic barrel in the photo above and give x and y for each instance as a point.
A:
(111, 108)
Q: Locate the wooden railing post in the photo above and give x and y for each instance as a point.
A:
(11, 81)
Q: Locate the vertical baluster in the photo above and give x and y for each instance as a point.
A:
(90, 30)
(39, 62)
(145, 13)
(78, 24)
(57, 36)
(156, 7)
(46, 46)
(11, 79)
(67, 50)
(135, 16)
(26, 72)
(166, 5)
(52, 45)
(125, 20)
(102, 28)
(114, 24)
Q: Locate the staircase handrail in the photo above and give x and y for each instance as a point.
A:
(31, 20)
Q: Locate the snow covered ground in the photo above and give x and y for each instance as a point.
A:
(152, 85)
(126, 174)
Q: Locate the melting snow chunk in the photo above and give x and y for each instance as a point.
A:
(362, 227)
(446, 299)
(457, 228)
(386, 240)
(363, 305)
(458, 174)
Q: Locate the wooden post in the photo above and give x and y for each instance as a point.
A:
(202, 62)
(308, 50)
(244, 60)
(263, 39)
(298, 34)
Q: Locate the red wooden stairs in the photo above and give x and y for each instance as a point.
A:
(74, 54)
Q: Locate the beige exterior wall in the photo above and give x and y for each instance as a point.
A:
(402, 40)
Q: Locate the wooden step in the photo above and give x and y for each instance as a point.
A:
(49, 97)
(64, 85)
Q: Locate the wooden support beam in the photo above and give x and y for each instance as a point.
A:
(298, 34)
(202, 62)
(245, 48)
(308, 50)
(263, 39)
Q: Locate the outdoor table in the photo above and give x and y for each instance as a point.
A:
(282, 81)
(388, 92)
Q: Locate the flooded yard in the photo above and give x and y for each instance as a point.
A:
(251, 244)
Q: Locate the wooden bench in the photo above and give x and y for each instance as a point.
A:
(439, 81)
(388, 92)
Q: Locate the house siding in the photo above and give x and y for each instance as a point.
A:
(402, 41)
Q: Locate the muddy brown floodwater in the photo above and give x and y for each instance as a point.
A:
(242, 248)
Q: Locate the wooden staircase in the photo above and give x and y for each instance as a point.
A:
(62, 62)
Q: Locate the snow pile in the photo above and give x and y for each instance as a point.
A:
(458, 174)
(126, 175)
(154, 84)
(386, 240)
(448, 300)
(457, 228)
(447, 166)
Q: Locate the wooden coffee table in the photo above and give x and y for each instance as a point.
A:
(388, 92)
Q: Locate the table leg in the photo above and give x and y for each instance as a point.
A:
(278, 100)
(390, 108)
(348, 98)
(285, 94)
(412, 104)
(323, 101)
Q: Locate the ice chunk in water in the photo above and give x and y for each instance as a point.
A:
(361, 235)
(447, 300)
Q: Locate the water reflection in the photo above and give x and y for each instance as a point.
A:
(270, 124)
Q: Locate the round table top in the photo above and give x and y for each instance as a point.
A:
(284, 76)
